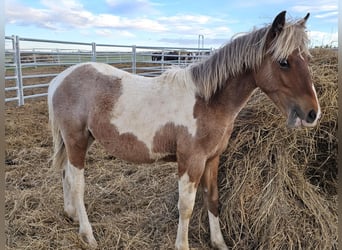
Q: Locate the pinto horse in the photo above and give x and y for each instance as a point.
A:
(184, 115)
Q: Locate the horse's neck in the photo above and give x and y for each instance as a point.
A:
(235, 94)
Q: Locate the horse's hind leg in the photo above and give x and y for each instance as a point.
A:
(69, 206)
(73, 182)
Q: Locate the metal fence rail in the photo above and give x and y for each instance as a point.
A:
(30, 64)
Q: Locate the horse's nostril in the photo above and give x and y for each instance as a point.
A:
(311, 116)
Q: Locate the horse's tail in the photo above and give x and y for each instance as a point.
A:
(59, 157)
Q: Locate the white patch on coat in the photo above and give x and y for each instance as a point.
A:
(215, 232)
(319, 107)
(300, 122)
(187, 195)
(147, 104)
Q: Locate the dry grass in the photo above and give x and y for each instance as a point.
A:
(278, 187)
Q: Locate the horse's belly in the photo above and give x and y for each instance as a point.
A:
(127, 146)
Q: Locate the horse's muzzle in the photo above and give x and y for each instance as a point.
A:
(296, 118)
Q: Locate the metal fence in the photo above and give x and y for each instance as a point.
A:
(30, 64)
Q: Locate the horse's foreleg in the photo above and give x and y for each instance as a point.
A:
(187, 194)
(210, 190)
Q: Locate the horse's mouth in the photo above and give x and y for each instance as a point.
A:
(295, 120)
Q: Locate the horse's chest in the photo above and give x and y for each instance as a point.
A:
(216, 140)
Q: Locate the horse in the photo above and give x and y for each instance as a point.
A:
(167, 56)
(156, 56)
(185, 115)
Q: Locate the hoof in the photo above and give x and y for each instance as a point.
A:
(72, 216)
(93, 244)
(220, 246)
(181, 247)
(89, 239)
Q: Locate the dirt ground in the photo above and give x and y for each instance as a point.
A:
(278, 187)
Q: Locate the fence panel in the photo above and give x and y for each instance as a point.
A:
(30, 64)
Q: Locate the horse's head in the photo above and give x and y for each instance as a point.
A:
(284, 73)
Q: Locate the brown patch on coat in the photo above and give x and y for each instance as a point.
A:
(125, 146)
(167, 140)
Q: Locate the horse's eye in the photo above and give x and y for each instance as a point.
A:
(284, 63)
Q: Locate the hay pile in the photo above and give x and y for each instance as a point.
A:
(278, 187)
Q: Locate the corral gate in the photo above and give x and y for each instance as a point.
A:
(30, 63)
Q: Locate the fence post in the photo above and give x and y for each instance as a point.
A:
(34, 58)
(19, 80)
(134, 59)
(13, 48)
(93, 52)
(58, 56)
(162, 59)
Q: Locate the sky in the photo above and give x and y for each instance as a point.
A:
(173, 23)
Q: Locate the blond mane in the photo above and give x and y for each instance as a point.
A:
(246, 53)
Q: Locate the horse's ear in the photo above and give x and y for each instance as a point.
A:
(278, 23)
(303, 21)
(306, 17)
